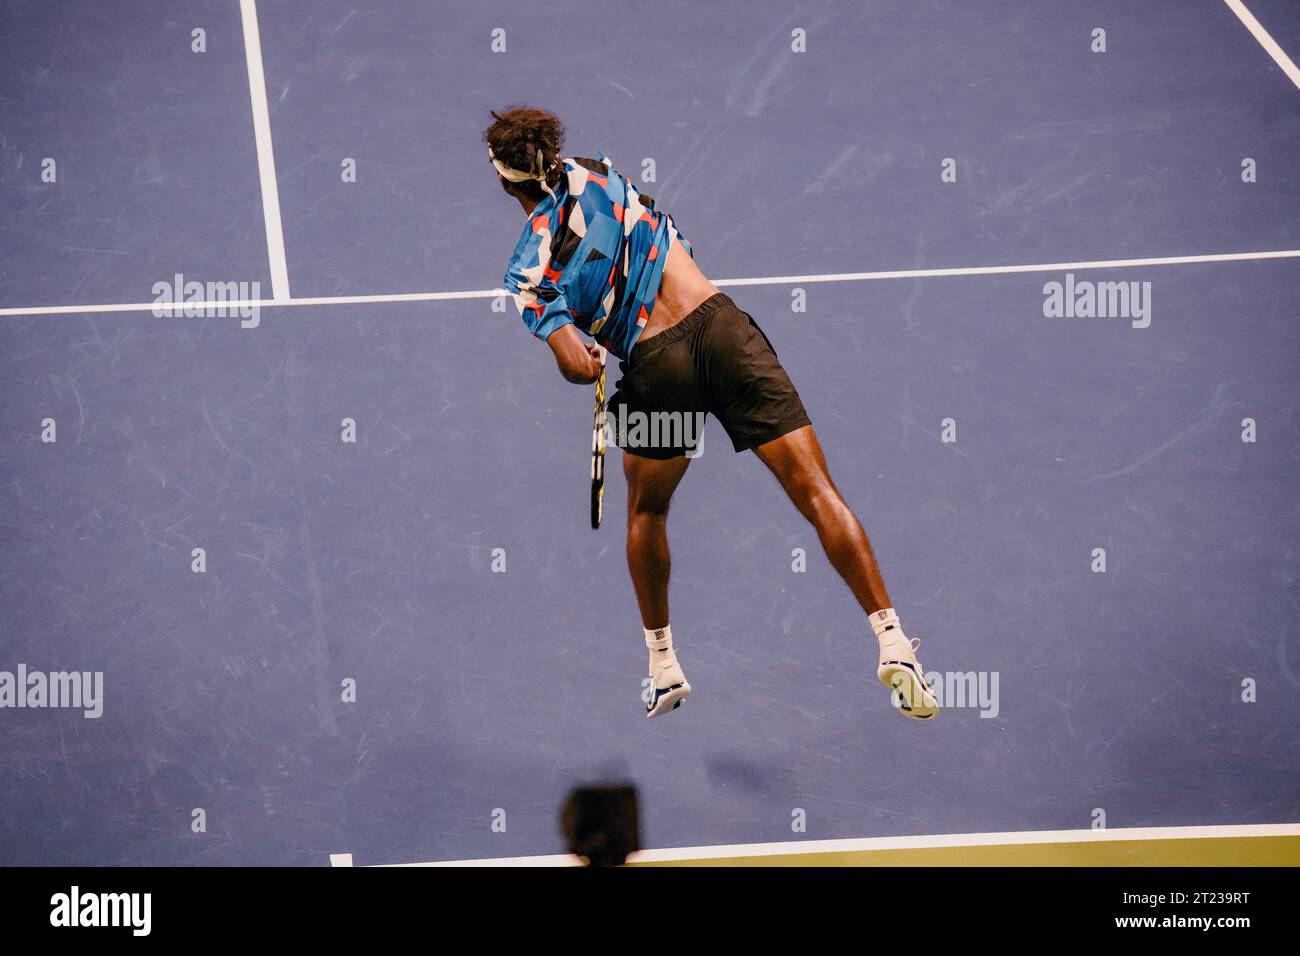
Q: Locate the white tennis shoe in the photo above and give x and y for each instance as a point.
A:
(668, 689)
(900, 671)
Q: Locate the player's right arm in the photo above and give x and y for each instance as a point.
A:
(532, 281)
(578, 361)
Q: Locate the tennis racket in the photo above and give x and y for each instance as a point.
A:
(598, 449)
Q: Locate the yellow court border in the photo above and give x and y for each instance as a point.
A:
(1236, 845)
(1204, 851)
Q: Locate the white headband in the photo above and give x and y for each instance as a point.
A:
(518, 175)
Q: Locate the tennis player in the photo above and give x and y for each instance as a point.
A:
(595, 256)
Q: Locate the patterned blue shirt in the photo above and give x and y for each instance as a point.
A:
(592, 254)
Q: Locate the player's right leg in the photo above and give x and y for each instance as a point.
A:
(758, 405)
(797, 462)
(650, 486)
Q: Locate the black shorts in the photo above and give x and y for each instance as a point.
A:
(714, 361)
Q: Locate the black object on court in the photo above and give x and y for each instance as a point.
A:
(602, 823)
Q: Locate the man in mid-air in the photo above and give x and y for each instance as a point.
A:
(595, 256)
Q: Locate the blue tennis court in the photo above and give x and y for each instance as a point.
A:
(328, 552)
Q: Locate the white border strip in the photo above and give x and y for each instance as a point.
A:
(767, 280)
(265, 155)
(1267, 42)
(683, 854)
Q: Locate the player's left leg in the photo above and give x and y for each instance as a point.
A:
(650, 486)
(797, 462)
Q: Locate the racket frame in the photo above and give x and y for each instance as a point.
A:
(598, 448)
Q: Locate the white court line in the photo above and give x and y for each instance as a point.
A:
(767, 280)
(1267, 42)
(265, 155)
(1005, 270)
(682, 854)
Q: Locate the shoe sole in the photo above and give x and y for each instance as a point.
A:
(670, 699)
(906, 686)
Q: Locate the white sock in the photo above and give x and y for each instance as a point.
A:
(886, 622)
(660, 642)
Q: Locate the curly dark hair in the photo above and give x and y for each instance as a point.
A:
(515, 137)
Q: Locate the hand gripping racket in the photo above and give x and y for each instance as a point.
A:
(598, 449)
